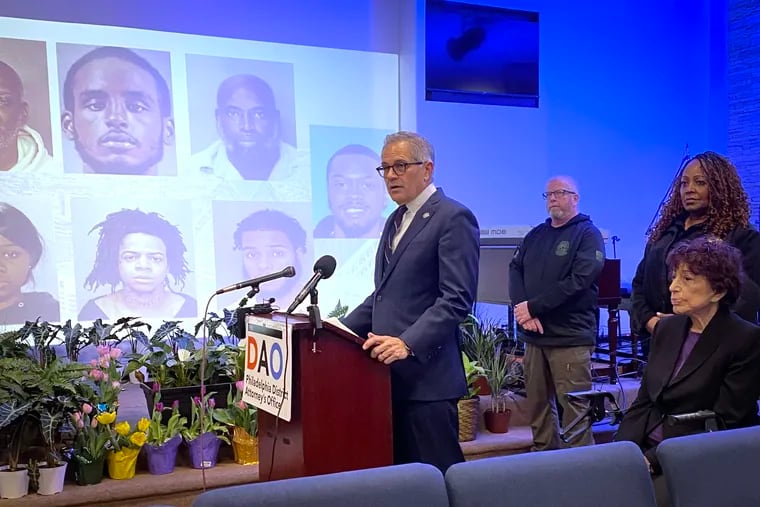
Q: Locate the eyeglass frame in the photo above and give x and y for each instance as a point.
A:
(385, 169)
(558, 193)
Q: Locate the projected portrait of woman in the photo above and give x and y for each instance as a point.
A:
(21, 248)
(141, 257)
(269, 241)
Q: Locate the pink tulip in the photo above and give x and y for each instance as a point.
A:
(116, 384)
(197, 400)
(96, 374)
(115, 353)
(212, 403)
(159, 406)
(80, 423)
(86, 408)
(240, 385)
(105, 361)
(103, 350)
(105, 377)
(156, 387)
(93, 363)
(175, 404)
(241, 405)
(77, 416)
(94, 423)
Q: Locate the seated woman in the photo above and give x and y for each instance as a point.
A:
(20, 251)
(704, 357)
(139, 255)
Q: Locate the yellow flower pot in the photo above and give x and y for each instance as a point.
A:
(244, 447)
(122, 464)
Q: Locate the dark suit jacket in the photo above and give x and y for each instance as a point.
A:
(423, 294)
(722, 374)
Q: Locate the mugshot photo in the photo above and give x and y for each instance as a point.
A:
(133, 259)
(28, 278)
(255, 239)
(242, 118)
(349, 197)
(25, 132)
(116, 111)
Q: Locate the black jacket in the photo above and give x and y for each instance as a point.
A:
(556, 271)
(650, 284)
(722, 374)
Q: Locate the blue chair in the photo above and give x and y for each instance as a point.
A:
(710, 469)
(413, 485)
(600, 475)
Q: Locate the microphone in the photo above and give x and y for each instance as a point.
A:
(323, 268)
(288, 272)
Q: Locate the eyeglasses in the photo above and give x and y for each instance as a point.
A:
(557, 193)
(399, 168)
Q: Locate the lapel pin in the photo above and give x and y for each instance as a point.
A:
(426, 215)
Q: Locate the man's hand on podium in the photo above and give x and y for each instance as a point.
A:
(386, 349)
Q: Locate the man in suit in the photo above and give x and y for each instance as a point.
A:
(426, 274)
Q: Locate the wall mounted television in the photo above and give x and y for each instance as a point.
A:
(480, 54)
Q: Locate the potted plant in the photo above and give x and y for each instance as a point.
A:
(125, 447)
(498, 368)
(163, 439)
(92, 433)
(205, 433)
(480, 337)
(243, 419)
(468, 407)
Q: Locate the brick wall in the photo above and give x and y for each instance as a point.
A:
(744, 95)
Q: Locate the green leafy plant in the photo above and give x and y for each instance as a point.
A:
(239, 413)
(472, 370)
(92, 433)
(497, 369)
(209, 423)
(159, 433)
(339, 311)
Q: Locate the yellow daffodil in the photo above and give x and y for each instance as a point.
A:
(106, 417)
(143, 424)
(138, 438)
(122, 428)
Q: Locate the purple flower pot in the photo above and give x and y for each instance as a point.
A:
(161, 459)
(204, 450)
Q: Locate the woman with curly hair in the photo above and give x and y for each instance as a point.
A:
(138, 253)
(706, 198)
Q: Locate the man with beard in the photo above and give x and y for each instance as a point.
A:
(117, 112)
(355, 194)
(21, 147)
(248, 123)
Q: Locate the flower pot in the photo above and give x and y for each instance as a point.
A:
(245, 447)
(469, 416)
(51, 479)
(88, 472)
(204, 450)
(184, 396)
(122, 464)
(162, 458)
(498, 422)
(13, 484)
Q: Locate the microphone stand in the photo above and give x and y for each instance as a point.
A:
(314, 317)
(251, 293)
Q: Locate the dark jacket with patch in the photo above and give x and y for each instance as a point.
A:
(650, 285)
(556, 271)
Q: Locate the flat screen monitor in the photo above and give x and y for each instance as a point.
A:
(480, 54)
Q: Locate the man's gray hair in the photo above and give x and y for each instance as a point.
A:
(422, 150)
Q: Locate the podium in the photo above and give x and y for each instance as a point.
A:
(340, 413)
(609, 296)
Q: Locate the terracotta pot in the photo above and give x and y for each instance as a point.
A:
(482, 382)
(498, 422)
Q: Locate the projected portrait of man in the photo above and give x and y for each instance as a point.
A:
(248, 124)
(356, 195)
(270, 240)
(21, 147)
(141, 257)
(117, 111)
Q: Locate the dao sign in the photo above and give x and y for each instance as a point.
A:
(268, 366)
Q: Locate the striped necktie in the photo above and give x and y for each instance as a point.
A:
(397, 218)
